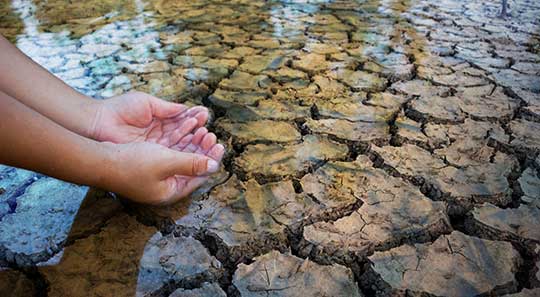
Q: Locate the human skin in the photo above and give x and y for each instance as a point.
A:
(126, 118)
(137, 145)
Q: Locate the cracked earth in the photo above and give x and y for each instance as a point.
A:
(374, 148)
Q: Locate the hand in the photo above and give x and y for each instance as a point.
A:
(201, 142)
(140, 117)
(151, 173)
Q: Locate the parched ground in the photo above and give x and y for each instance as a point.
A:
(374, 148)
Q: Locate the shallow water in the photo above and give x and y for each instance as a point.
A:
(353, 129)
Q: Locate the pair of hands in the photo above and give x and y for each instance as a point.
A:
(162, 148)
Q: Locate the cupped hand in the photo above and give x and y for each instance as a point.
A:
(140, 117)
(154, 174)
(202, 143)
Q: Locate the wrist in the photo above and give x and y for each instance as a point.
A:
(107, 166)
(93, 109)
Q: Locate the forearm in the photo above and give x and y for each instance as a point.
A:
(26, 81)
(31, 141)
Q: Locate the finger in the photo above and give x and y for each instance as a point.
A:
(208, 141)
(191, 148)
(216, 152)
(185, 141)
(176, 135)
(164, 109)
(202, 117)
(198, 136)
(181, 163)
(192, 112)
(184, 186)
(195, 110)
(200, 151)
(174, 123)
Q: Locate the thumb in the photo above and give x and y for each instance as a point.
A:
(190, 164)
(165, 109)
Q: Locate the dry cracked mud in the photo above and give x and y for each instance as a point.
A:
(374, 148)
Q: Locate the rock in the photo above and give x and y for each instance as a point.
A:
(353, 110)
(410, 160)
(527, 68)
(512, 223)
(453, 265)
(264, 44)
(476, 134)
(207, 290)
(275, 160)
(287, 75)
(211, 76)
(13, 182)
(245, 218)
(435, 109)
(53, 205)
(228, 99)
(269, 110)
(529, 183)
(386, 100)
(120, 84)
(14, 283)
(260, 131)
(179, 260)
(409, 131)
(468, 144)
(155, 66)
(96, 209)
(239, 52)
(190, 61)
(486, 103)
(526, 293)
(477, 183)
(460, 79)
(256, 64)
(171, 87)
(210, 50)
(398, 72)
(322, 48)
(243, 81)
(100, 50)
(513, 79)
(276, 274)
(525, 135)
(311, 63)
(377, 132)
(105, 66)
(329, 88)
(126, 259)
(359, 80)
(420, 88)
(427, 72)
(532, 100)
(458, 185)
(392, 211)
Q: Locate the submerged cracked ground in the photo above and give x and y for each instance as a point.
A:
(374, 148)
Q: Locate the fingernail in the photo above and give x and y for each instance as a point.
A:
(212, 166)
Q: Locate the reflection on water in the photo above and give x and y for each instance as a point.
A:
(302, 93)
(11, 24)
(95, 60)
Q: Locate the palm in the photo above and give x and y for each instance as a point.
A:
(138, 117)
